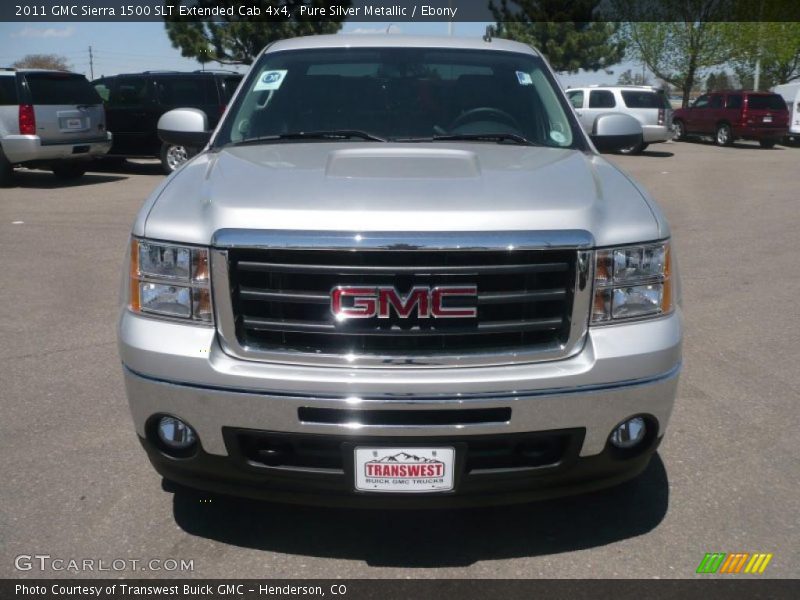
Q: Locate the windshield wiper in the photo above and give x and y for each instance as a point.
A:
(336, 134)
(476, 137)
(485, 137)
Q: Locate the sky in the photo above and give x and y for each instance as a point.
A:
(134, 47)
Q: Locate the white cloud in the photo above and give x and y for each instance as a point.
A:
(373, 30)
(50, 32)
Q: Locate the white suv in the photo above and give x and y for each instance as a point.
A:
(49, 119)
(649, 105)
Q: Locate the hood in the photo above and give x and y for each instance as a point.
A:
(359, 187)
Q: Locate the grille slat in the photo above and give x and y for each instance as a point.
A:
(415, 269)
(309, 297)
(281, 300)
(329, 328)
(284, 296)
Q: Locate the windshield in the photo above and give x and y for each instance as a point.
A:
(399, 94)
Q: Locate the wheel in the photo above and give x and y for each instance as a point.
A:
(724, 135)
(173, 157)
(767, 143)
(635, 149)
(69, 171)
(680, 130)
(6, 171)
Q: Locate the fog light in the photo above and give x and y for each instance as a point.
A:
(629, 433)
(175, 434)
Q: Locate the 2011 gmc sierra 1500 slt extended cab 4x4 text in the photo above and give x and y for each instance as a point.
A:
(400, 274)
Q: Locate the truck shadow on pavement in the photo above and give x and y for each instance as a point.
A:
(45, 180)
(432, 538)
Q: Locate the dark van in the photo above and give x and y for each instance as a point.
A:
(134, 102)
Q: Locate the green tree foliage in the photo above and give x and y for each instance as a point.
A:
(567, 33)
(42, 61)
(237, 40)
(685, 42)
(776, 44)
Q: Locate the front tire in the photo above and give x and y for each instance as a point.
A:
(69, 172)
(767, 143)
(173, 157)
(724, 135)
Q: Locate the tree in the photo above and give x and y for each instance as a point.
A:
(236, 40)
(630, 78)
(567, 34)
(42, 61)
(685, 39)
(775, 44)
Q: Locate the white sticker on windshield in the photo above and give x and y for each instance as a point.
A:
(524, 78)
(558, 137)
(270, 80)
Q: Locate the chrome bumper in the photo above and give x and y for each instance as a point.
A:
(180, 369)
(29, 148)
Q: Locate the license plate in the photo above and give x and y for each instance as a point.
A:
(74, 123)
(404, 470)
(767, 119)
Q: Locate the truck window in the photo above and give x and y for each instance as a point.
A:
(129, 91)
(601, 99)
(576, 98)
(645, 99)
(766, 102)
(734, 101)
(8, 91)
(60, 88)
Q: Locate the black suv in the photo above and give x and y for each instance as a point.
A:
(135, 102)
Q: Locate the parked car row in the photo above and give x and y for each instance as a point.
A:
(727, 116)
(59, 121)
(135, 102)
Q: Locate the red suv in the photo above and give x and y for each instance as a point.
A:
(733, 115)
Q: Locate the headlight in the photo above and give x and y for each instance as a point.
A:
(170, 280)
(632, 282)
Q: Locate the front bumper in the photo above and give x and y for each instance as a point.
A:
(623, 370)
(21, 149)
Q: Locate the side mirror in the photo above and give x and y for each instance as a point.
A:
(184, 127)
(615, 131)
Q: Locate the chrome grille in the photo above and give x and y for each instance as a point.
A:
(278, 300)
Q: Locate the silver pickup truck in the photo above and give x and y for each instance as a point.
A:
(400, 274)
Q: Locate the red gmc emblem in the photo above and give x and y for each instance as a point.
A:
(364, 302)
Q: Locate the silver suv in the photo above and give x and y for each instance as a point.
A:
(649, 105)
(400, 274)
(49, 119)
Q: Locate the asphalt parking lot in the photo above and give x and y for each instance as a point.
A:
(76, 483)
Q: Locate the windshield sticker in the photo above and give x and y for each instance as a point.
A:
(270, 80)
(524, 78)
(558, 137)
